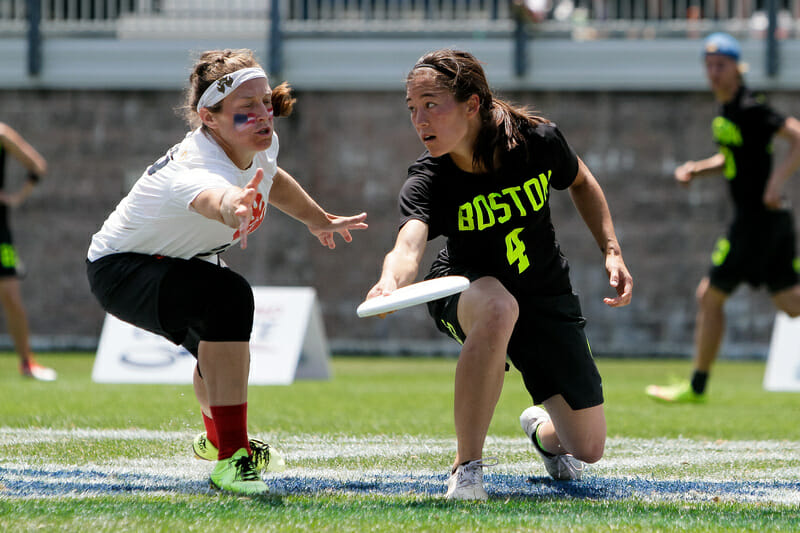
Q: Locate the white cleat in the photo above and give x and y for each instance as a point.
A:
(466, 483)
(32, 369)
(562, 467)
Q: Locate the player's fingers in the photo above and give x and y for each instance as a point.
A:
(354, 222)
(624, 297)
(256, 180)
(243, 234)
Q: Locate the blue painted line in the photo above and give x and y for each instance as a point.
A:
(27, 482)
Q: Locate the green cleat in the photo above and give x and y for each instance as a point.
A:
(237, 474)
(678, 393)
(265, 458)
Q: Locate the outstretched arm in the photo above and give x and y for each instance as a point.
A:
(697, 169)
(230, 205)
(288, 196)
(22, 151)
(401, 265)
(591, 203)
(783, 171)
(14, 144)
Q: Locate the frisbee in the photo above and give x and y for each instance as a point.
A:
(414, 294)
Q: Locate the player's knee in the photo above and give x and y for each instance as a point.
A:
(501, 313)
(590, 451)
(230, 307)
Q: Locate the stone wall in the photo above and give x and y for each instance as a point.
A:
(351, 150)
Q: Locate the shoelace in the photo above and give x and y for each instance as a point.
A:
(466, 475)
(260, 452)
(244, 467)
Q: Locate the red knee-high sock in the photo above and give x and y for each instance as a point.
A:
(230, 422)
(211, 430)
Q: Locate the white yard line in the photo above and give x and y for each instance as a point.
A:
(698, 470)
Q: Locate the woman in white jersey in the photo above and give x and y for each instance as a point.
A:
(155, 262)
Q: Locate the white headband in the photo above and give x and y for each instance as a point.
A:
(227, 84)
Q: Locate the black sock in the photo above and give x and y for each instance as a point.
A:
(538, 444)
(699, 381)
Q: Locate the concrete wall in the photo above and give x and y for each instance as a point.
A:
(351, 150)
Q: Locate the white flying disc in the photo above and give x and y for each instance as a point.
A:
(414, 294)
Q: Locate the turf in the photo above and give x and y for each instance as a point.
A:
(368, 450)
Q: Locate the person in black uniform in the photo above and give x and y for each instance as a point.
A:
(12, 143)
(759, 248)
(484, 183)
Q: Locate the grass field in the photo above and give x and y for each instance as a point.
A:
(369, 450)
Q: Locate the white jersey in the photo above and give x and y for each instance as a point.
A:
(156, 217)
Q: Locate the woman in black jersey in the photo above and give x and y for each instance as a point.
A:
(13, 144)
(760, 245)
(484, 183)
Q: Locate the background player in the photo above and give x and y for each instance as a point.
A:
(13, 144)
(155, 262)
(484, 183)
(759, 248)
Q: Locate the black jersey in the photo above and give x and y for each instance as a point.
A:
(744, 130)
(499, 224)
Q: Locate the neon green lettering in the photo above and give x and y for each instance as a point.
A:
(452, 331)
(545, 180)
(466, 221)
(495, 205)
(8, 257)
(515, 251)
(730, 162)
(537, 199)
(482, 210)
(720, 252)
(726, 132)
(512, 191)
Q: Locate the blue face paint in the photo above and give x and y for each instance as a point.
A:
(241, 121)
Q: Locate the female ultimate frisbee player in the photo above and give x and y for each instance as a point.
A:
(12, 143)
(155, 262)
(760, 245)
(484, 183)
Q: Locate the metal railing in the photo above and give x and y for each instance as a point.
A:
(770, 20)
(576, 18)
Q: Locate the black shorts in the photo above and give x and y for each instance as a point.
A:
(185, 301)
(8, 255)
(548, 346)
(758, 251)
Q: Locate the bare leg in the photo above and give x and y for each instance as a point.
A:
(225, 367)
(580, 432)
(487, 313)
(16, 318)
(200, 391)
(710, 325)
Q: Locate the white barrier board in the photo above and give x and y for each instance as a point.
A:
(783, 361)
(288, 342)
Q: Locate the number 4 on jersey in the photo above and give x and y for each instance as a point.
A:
(515, 250)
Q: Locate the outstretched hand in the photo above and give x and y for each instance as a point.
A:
(384, 287)
(620, 279)
(340, 225)
(684, 173)
(236, 206)
(245, 210)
